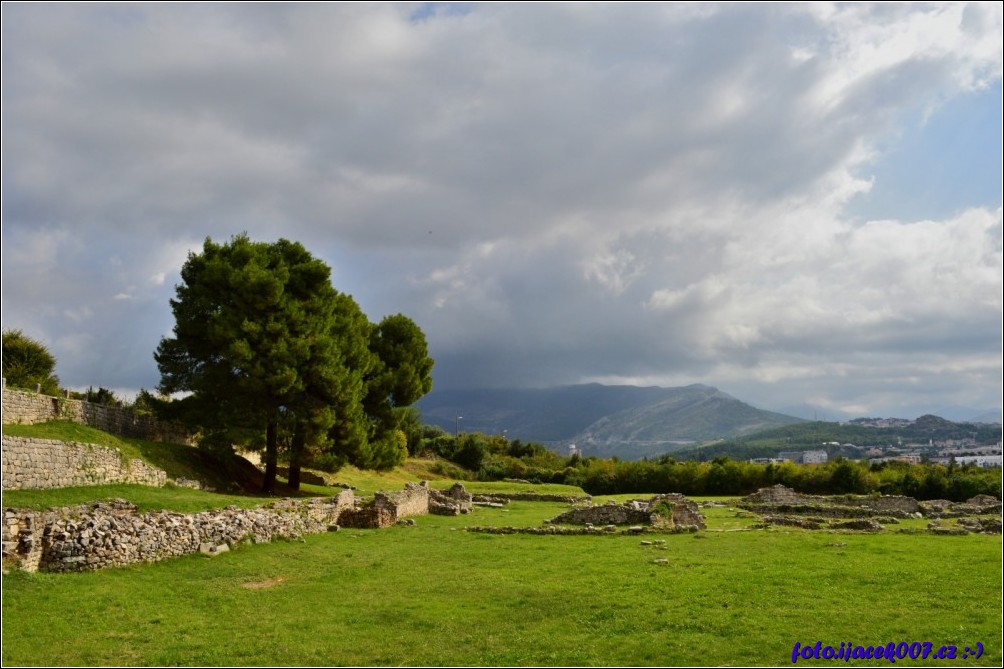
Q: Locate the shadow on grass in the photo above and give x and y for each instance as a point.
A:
(229, 473)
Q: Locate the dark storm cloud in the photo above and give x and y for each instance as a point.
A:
(554, 192)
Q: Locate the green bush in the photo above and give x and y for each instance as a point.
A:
(27, 363)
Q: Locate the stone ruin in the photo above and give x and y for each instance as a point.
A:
(668, 513)
(780, 505)
(782, 498)
(108, 534)
(417, 499)
(974, 506)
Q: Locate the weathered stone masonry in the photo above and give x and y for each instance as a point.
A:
(417, 499)
(671, 512)
(104, 534)
(24, 407)
(108, 534)
(47, 463)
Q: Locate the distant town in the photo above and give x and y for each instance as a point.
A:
(946, 452)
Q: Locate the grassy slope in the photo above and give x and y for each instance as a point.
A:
(234, 475)
(435, 595)
(178, 460)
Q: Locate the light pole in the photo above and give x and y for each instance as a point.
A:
(458, 426)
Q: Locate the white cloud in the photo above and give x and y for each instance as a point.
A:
(555, 192)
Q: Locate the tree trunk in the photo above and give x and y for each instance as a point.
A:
(296, 456)
(271, 456)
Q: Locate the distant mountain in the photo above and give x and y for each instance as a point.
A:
(693, 413)
(956, 414)
(627, 421)
(545, 415)
(992, 417)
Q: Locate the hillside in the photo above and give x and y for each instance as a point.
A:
(850, 439)
(694, 413)
(627, 421)
(545, 415)
(237, 481)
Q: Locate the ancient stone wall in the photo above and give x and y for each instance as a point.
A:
(104, 534)
(603, 514)
(777, 494)
(47, 463)
(368, 516)
(417, 499)
(452, 502)
(412, 501)
(671, 512)
(23, 407)
(683, 514)
(786, 499)
(881, 504)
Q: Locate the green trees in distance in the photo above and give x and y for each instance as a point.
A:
(272, 354)
(27, 363)
(494, 458)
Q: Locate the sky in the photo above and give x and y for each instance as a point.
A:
(795, 203)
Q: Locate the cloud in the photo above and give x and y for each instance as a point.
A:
(554, 192)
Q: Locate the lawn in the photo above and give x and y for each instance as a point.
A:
(433, 594)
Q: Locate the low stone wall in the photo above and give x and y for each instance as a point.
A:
(785, 499)
(684, 515)
(417, 499)
(603, 514)
(367, 517)
(974, 506)
(47, 463)
(452, 502)
(23, 407)
(111, 534)
(671, 512)
(552, 530)
(505, 497)
(777, 494)
(897, 504)
(412, 501)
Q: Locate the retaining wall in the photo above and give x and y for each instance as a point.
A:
(23, 407)
(47, 463)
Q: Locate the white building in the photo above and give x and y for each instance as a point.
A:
(804, 457)
(979, 460)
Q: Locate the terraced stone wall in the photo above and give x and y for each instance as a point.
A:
(23, 407)
(47, 463)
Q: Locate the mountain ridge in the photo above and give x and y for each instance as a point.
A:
(629, 422)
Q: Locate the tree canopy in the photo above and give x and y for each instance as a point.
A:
(265, 345)
(27, 363)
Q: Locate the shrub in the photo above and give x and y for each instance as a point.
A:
(27, 363)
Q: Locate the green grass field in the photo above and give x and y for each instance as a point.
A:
(433, 594)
